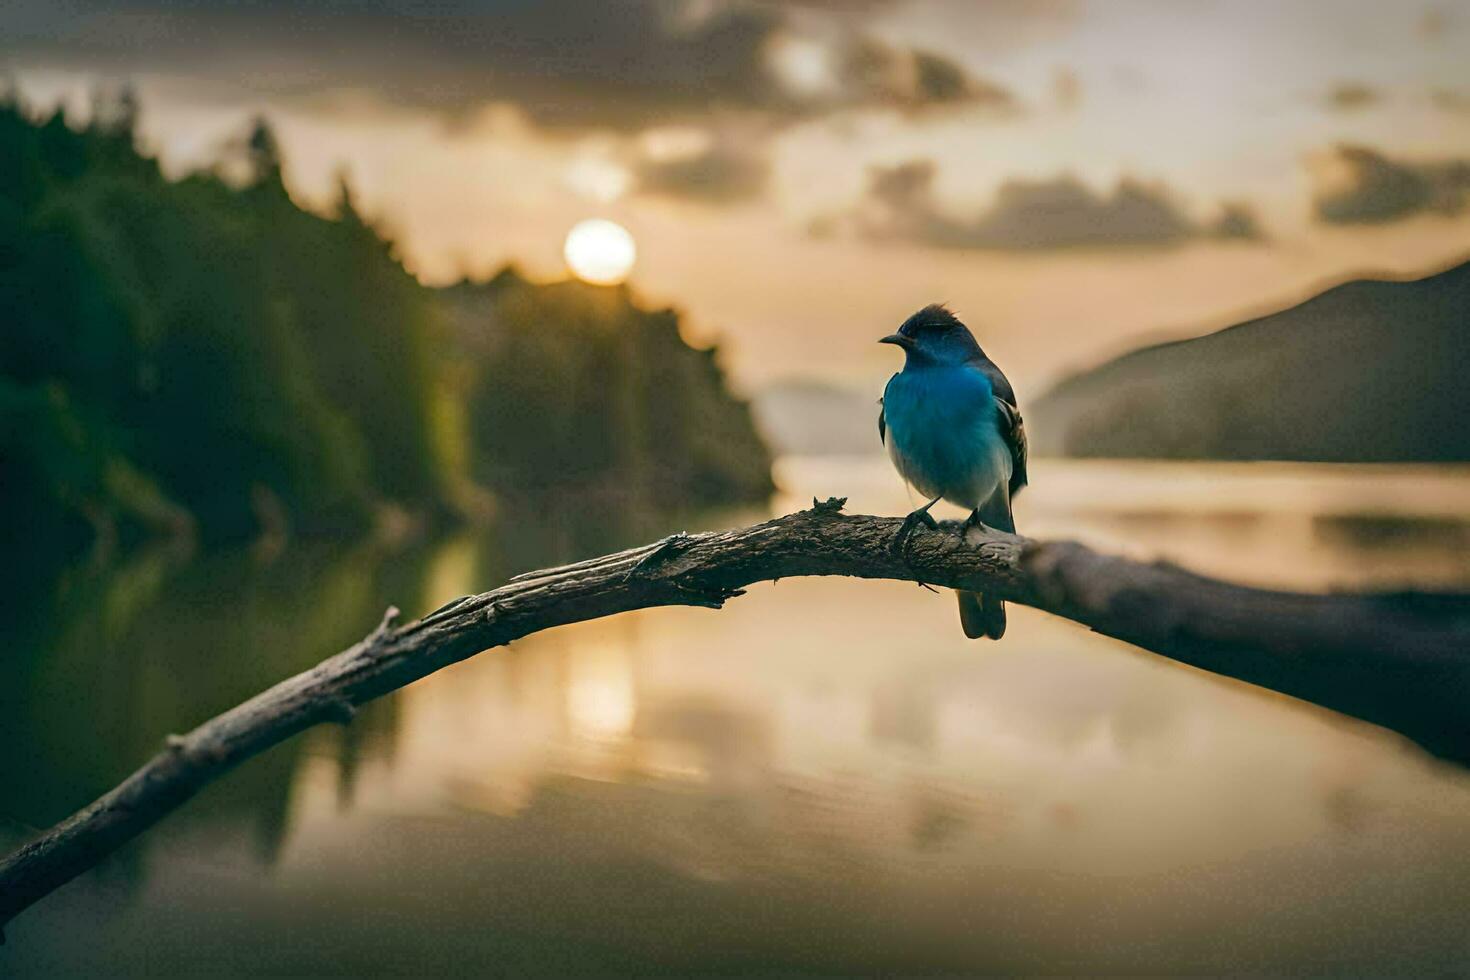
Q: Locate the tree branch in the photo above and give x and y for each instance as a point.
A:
(1401, 661)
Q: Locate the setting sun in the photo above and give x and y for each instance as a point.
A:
(600, 251)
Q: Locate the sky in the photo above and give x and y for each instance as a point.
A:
(1075, 178)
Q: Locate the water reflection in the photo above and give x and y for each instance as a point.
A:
(823, 776)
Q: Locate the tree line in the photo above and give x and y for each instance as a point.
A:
(204, 355)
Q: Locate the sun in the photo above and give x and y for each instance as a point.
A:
(600, 251)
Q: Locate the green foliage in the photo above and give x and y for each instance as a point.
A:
(205, 351)
(575, 389)
(221, 340)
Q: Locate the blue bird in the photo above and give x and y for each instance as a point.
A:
(950, 424)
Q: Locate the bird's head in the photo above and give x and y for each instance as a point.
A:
(934, 335)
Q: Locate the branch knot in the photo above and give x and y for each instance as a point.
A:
(389, 620)
(831, 505)
(661, 553)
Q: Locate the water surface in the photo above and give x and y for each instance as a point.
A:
(824, 776)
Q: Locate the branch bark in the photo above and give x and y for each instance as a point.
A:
(1401, 661)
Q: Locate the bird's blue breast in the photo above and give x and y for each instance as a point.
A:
(943, 432)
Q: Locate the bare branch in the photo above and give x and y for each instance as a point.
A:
(1401, 661)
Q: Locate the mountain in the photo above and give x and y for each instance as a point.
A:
(1368, 371)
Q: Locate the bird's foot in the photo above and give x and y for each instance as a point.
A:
(911, 524)
(974, 521)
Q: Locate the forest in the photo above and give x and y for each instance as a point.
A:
(204, 357)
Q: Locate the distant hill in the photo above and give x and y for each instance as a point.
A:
(1368, 371)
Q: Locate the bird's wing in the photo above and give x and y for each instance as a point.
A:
(1011, 427)
(1014, 433)
(883, 422)
(999, 383)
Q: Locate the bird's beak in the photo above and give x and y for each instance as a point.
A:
(898, 340)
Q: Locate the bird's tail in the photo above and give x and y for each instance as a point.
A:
(982, 615)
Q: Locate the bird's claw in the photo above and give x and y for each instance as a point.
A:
(910, 524)
(906, 531)
(974, 521)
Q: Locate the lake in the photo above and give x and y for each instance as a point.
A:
(825, 776)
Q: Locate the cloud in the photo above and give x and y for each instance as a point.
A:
(1433, 24)
(1359, 185)
(1236, 220)
(881, 74)
(564, 63)
(1450, 100)
(720, 172)
(834, 6)
(1031, 215)
(1066, 89)
(1352, 95)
